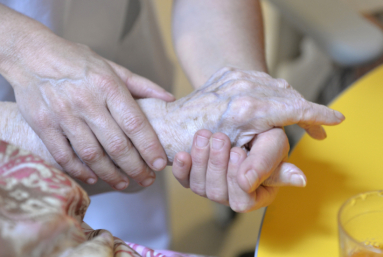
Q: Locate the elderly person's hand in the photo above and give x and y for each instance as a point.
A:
(234, 104)
(209, 173)
(81, 105)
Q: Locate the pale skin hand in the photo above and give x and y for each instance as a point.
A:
(209, 35)
(261, 103)
(81, 105)
(242, 114)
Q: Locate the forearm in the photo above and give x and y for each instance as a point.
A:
(16, 32)
(212, 34)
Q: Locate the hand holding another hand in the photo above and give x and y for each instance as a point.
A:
(82, 107)
(227, 175)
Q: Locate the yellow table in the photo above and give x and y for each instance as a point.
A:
(303, 222)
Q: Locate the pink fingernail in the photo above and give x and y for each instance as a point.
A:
(159, 164)
(91, 181)
(147, 182)
(298, 180)
(234, 157)
(179, 163)
(121, 185)
(202, 142)
(217, 143)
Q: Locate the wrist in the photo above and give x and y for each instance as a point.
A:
(173, 136)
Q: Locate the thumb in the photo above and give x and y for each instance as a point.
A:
(286, 174)
(141, 87)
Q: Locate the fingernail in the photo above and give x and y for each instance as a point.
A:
(91, 181)
(121, 185)
(217, 143)
(159, 164)
(298, 180)
(234, 157)
(179, 163)
(252, 179)
(147, 182)
(202, 141)
(339, 115)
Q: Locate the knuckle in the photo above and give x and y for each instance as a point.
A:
(198, 189)
(62, 158)
(148, 148)
(90, 154)
(117, 146)
(106, 83)
(61, 107)
(138, 173)
(216, 196)
(75, 173)
(42, 119)
(217, 164)
(109, 177)
(132, 125)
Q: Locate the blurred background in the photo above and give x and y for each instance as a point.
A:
(320, 47)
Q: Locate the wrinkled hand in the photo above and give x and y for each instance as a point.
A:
(247, 183)
(82, 107)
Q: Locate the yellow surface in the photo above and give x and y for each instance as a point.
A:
(303, 222)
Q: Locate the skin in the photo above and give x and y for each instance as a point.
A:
(81, 105)
(67, 92)
(230, 34)
(238, 118)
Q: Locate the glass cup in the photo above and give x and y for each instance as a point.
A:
(360, 222)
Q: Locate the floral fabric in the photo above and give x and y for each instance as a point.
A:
(42, 211)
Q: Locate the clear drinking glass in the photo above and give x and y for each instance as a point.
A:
(360, 222)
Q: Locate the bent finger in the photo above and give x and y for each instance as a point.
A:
(239, 200)
(137, 128)
(181, 168)
(200, 156)
(267, 152)
(89, 150)
(60, 149)
(141, 87)
(216, 176)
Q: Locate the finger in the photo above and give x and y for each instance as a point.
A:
(267, 152)
(239, 200)
(141, 87)
(181, 168)
(303, 113)
(216, 177)
(286, 174)
(135, 125)
(315, 131)
(60, 149)
(200, 157)
(120, 149)
(92, 154)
